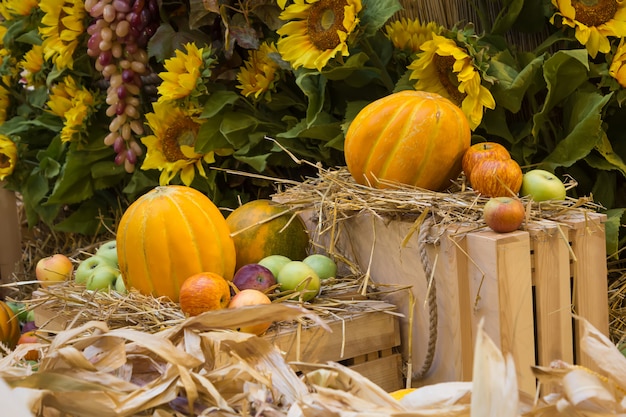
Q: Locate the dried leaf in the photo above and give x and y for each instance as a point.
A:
(494, 388)
(603, 352)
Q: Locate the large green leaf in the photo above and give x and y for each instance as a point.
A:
(510, 90)
(564, 72)
(583, 122)
(217, 101)
(508, 14)
(605, 149)
(76, 183)
(376, 13)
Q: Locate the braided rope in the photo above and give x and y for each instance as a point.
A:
(432, 299)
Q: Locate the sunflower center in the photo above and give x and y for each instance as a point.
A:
(448, 79)
(5, 161)
(594, 12)
(181, 132)
(324, 20)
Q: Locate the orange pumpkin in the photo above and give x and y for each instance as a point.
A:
(410, 137)
(10, 331)
(496, 177)
(261, 228)
(170, 234)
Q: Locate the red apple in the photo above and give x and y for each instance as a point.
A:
(504, 214)
(53, 269)
(480, 151)
(496, 177)
(254, 276)
(251, 297)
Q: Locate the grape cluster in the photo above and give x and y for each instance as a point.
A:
(119, 33)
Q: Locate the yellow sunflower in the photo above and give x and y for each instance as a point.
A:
(410, 34)
(32, 64)
(11, 8)
(171, 148)
(74, 105)
(259, 73)
(60, 29)
(8, 157)
(594, 21)
(617, 69)
(182, 75)
(316, 31)
(448, 70)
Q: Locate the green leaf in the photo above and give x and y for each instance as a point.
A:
(86, 219)
(376, 13)
(209, 136)
(583, 121)
(507, 16)
(313, 86)
(217, 101)
(75, 183)
(564, 72)
(354, 63)
(605, 149)
(258, 162)
(612, 227)
(236, 127)
(510, 90)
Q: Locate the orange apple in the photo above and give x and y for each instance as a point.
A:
(504, 214)
(480, 151)
(29, 337)
(205, 291)
(53, 269)
(251, 297)
(496, 177)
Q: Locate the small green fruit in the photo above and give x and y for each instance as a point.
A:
(324, 266)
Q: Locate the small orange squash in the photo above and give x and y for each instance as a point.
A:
(170, 234)
(262, 227)
(410, 137)
(10, 331)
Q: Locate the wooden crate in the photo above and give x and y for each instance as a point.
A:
(11, 243)
(524, 284)
(368, 342)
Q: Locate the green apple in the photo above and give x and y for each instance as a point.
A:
(542, 185)
(298, 276)
(108, 251)
(102, 277)
(324, 266)
(274, 263)
(86, 267)
(120, 285)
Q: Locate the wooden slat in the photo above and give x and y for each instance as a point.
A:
(589, 274)
(501, 279)
(386, 372)
(350, 338)
(551, 279)
(11, 241)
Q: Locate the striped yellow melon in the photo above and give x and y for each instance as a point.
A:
(170, 234)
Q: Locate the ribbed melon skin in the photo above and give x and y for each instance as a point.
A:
(255, 237)
(410, 137)
(9, 326)
(169, 234)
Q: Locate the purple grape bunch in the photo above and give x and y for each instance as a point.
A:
(118, 36)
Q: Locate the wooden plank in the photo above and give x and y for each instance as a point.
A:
(350, 338)
(11, 242)
(589, 275)
(551, 280)
(501, 284)
(386, 372)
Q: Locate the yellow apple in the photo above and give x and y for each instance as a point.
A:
(53, 269)
(251, 297)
